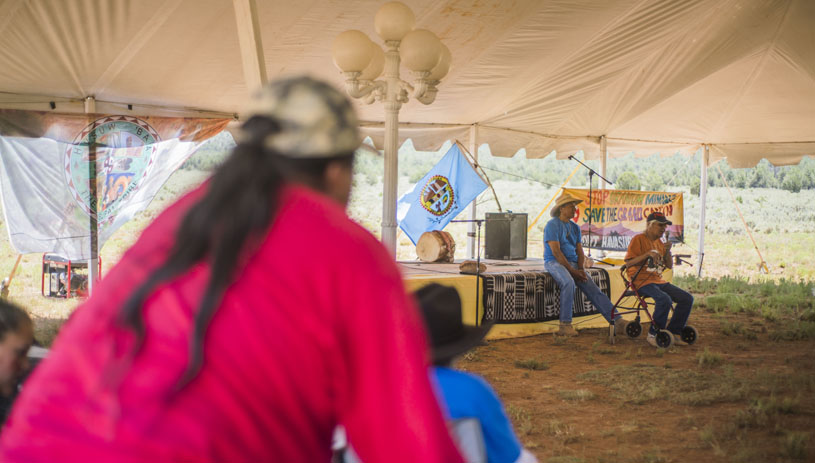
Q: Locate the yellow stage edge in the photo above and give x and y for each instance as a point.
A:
(472, 304)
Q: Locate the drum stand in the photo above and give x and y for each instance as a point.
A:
(477, 264)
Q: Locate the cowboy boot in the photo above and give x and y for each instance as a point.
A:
(567, 330)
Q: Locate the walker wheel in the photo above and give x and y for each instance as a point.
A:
(664, 339)
(689, 334)
(633, 329)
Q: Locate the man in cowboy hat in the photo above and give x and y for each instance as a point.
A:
(649, 282)
(564, 260)
(465, 395)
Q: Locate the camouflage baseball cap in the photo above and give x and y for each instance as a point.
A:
(317, 121)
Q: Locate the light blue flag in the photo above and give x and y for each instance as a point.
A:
(439, 196)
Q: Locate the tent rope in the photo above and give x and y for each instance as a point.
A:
(516, 175)
(476, 165)
(763, 264)
(670, 182)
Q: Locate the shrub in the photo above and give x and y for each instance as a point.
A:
(521, 418)
(794, 332)
(794, 445)
(708, 358)
(532, 364)
(577, 395)
(732, 328)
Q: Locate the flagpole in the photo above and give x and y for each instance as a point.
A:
(477, 168)
(473, 205)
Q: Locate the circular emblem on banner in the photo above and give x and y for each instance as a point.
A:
(125, 148)
(437, 195)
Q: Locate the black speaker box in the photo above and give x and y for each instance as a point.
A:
(505, 237)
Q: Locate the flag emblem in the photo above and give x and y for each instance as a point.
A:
(125, 153)
(437, 195)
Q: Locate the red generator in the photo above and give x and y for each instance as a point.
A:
(66, 278)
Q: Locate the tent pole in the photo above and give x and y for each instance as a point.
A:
(702, 207)
(390, 180)
(603, 163)
(93, 261)
(601, 182)
(251, 45)
(471, 245)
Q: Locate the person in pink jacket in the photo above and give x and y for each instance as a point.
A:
(248, 320)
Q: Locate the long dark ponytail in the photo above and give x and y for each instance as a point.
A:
(238, 207)
(296, 129)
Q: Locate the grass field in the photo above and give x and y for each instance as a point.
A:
(782, 222)
(745, 392)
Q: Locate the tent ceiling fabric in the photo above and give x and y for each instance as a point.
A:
(651, 75)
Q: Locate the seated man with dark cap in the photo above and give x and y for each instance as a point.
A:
(565, 262)
(465, 395)
(649, 281)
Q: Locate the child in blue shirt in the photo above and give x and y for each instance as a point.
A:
(461, 394)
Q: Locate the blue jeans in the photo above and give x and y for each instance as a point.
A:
(664, 295)
(567, 284)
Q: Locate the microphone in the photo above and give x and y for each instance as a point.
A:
(571, 157)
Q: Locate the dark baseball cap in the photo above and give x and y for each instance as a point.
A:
(659, 217)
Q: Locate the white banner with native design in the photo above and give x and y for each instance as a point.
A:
(46, 170)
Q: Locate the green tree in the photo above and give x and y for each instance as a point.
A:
(628, 181)
(695, 186)
(793, 181)
(652, 180)
(763, 176)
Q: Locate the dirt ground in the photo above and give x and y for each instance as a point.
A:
(727, 398)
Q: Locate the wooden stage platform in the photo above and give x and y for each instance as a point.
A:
(418, 274)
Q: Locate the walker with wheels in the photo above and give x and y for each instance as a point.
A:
(633, 328)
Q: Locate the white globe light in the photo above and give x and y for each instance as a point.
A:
(352, 51)
(443, 67)
(420, 50)
(376, 65)
(393, 21)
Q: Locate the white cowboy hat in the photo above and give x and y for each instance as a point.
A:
(563, 200)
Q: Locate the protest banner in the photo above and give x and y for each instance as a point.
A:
(618, 215)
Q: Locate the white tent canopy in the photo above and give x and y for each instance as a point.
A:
(649, 75)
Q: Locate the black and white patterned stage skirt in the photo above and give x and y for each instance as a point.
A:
(528, 297)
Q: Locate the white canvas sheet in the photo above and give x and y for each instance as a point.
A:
(650, 75)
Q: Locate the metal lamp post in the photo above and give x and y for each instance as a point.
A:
(362, 62)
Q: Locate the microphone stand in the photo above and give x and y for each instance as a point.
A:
(592, 173)
(477, 263)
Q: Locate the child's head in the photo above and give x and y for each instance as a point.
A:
(16, 336)
(449, 336)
